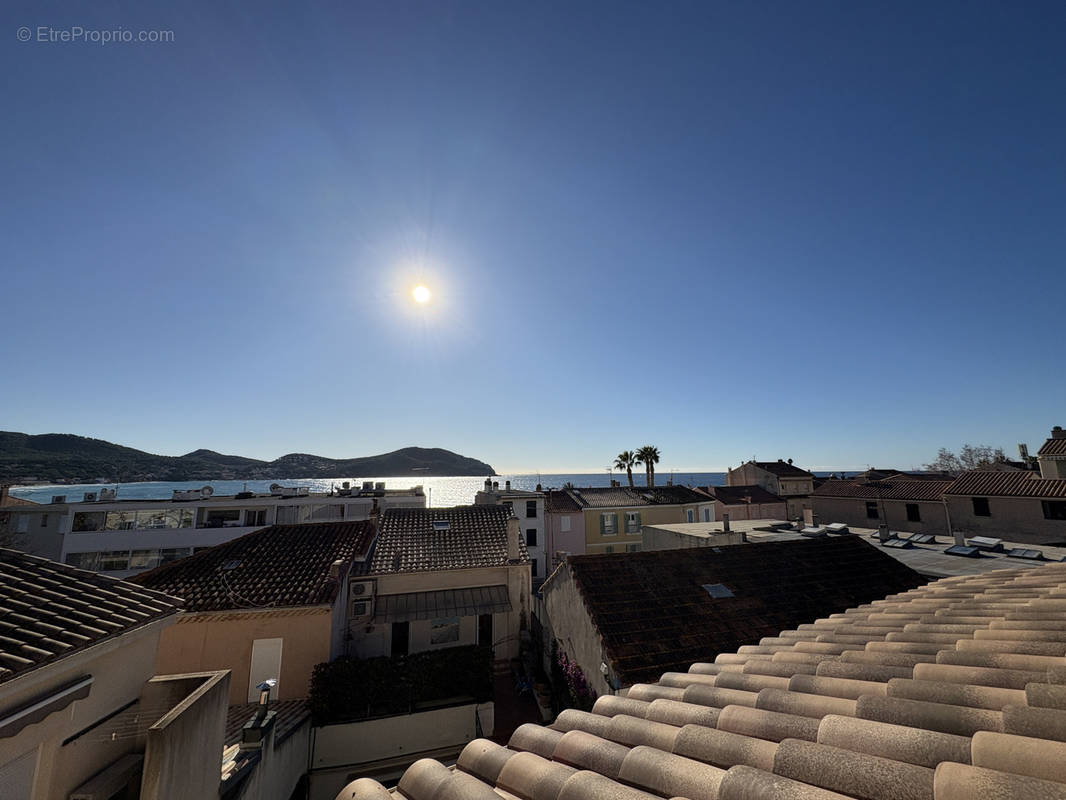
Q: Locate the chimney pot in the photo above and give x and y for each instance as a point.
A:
(508, 485)
(725, 523)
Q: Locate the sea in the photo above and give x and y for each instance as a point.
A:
(440, 492)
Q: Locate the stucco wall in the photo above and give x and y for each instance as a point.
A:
(852, 511)
(369, 640)
(573, 628)
(751, 511)
(119, 668)
(201, 642)
(1017, 519)
(183, 755)
(571, 541)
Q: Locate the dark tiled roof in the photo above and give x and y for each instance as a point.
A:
(610, 497)
(783, 469)
(740, 495)
(1006, 484)
(671, 495)
(49, 610)
(951, 690)
(1053, 447)
(476, 537)
(280, 566)
(560, 501)
(653, 613)
(9, 500)
(891, 489)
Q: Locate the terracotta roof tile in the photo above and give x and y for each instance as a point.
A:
(817, 737)
(1006, 484)
(560, 501)
(49, 610)
(888, 489)
(654, 614)
(475, 536)
(740, 495)
(280, 566)
(1053, 447)
(783, 469)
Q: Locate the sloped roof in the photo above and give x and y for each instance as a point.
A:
(281, 566)
(560, 500)
(49, 611)
(950, 690)
(1053, 447)
(889, 489)
(783, 469)
(476, 536)
(609, 497)
(671, 495)
(1006, 484)
(740, 495)
(653, 614)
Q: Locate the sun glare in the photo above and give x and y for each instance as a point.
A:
(421, 294)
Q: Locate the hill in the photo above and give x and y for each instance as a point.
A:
(66, 457)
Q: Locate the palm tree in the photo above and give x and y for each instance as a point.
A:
(648, 455)
(626, 460)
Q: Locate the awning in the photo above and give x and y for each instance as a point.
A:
(469, 602)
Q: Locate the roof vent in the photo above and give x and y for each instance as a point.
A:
(59, 498)
(232, 564)
(963, 550)
(1022, 552)
(986, 543)
(441, 524)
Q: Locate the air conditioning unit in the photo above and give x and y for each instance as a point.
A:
(59, 498)
(360, 600)
(108, 494)
(361, 589)
(90, 497)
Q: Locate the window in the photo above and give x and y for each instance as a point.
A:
(632, 548)
(689, 515)
(913, 513)
(444, 631)
(980, 507)
(531, 508)
(88, 521)
(531, 537)
(632, 522)
(871, 509)
(327, 513)
(44, 520)
(291, 515)
(266, 664)
(119, 521)
(114, 560)
(255, 516)
(1054, 509)
(608, 523)
(706, 515)
(534, 567)
(564, 524)
(23, 524)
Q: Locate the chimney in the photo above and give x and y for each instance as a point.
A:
(725, 523)
(1058, 433)
(514, 533)
(335, 568)
(495, 486)
(488, 484)
(507, 485)
(375, 515)
(3, 493)
(1023, 451)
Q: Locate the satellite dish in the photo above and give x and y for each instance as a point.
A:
(275, 486)
(207, 491)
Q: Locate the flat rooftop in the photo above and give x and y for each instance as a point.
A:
(706, 530)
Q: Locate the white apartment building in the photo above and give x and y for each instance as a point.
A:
(105, 533)
(529, 508)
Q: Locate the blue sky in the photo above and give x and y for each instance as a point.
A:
(826, 231)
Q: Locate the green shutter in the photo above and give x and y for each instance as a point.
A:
(603, 525)
(638, 522)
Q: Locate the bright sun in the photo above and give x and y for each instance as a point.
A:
(421, 294)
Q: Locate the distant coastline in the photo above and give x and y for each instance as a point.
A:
(62, 458)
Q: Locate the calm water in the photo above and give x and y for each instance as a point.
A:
(440, 491)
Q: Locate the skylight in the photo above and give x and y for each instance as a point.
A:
(441, 524)
(718, 590)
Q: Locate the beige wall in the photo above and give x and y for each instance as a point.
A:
(1016, 519)
(223, 640)
(119, 668)
(751, 511)
(852, 511)
(371, 640)
(663, 539)
(595, 542)
(573, 627)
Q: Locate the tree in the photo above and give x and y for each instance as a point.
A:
(969, 457)
(648, 455)
(626, 460)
